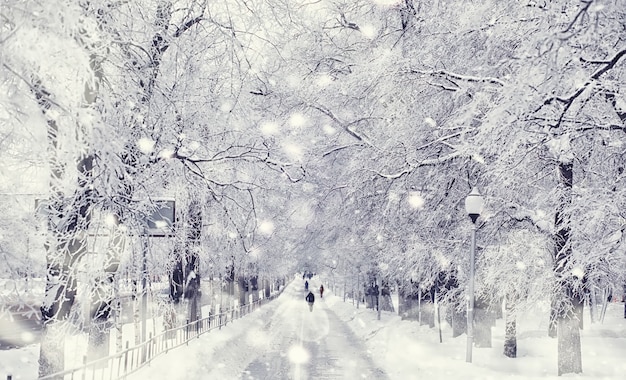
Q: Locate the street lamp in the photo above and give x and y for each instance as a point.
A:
(473, 206)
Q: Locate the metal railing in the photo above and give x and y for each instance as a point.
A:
(131, 359)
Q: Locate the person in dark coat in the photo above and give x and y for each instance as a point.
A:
(321, 291)
(310, 298)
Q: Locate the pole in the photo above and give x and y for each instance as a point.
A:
(419, 305)
(344, 283)
(358, 288)
(378, 299)
(470, 308)
(144, 293)
(438, 316)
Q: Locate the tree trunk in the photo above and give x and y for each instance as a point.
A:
(268, 291)
(118, 317)
(593, 301)
(192, 274)
(510, 330)
(427, 307)
(483, 320)
(254, 288)
(401, 299)
(103, 298)
(386, 304)
(64, 249)
(137, 313)
(52, 349)
(68, 221)
(242, 285)
(458, 320)
(552, 323)
(230, 279)
(408, 305)
(193, 295)
(569, 301)
(569, 347)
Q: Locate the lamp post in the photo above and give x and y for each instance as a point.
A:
(473, 206)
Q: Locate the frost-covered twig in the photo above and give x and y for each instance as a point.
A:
(340, 148)
(582, 10)
(465, 78)
(569, 100)
(345, 127)
(428, 162)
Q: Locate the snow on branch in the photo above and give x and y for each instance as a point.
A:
(579, 15)
(441, 139)
(569, 100)
(517, 214)
(282, 167)
(429, 162)
(595, 62)
(466, 78)
(345, 127)
(43, 97)
(184, 27)
(609, 65)
(162, 45)
(337, 149)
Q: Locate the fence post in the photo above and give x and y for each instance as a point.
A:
(152, 347)
(84, 368)
(149, 347)
(187, 332)
(126, 358)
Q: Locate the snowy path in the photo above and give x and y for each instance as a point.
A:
(311, 345)
(282, 340)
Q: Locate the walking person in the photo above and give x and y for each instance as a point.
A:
(321, 291)
(310, 298)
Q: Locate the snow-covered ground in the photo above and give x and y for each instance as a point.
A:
(284, 340)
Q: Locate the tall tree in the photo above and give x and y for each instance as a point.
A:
(548, 136)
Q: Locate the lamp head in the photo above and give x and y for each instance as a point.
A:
(474, 203)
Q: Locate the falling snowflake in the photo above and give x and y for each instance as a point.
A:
(324, 80)
(266, 227)
(293, 151)
(329, 130)
(369, 31)
(146, 145)
(297, 120)
(298, 354)
(269, 128)
(430, 122)
(416, 201)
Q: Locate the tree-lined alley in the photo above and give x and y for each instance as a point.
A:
(333, 136)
